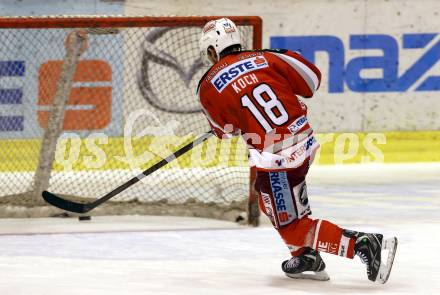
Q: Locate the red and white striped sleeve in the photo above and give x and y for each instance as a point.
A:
(303, 76)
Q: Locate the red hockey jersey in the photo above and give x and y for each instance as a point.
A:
(254, 94)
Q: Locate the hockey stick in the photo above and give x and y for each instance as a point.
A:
(86, 207)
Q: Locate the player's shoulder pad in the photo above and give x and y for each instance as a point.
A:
(262, 50)
(283, 51)
(276, 50)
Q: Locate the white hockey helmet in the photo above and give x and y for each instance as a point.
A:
(220, 34)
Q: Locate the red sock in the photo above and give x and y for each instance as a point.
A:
(328, 238)
(318, 234)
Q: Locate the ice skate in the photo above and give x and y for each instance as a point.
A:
(369, 247)
(308, 265)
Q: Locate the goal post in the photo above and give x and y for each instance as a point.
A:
(79, 120)
(74, 48)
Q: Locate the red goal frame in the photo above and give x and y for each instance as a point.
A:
(129, 21)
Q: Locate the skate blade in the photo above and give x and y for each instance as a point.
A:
(385, 269)
(310, 275)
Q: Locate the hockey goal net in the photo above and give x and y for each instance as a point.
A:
(89, 102)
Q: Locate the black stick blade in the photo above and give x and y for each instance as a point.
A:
(64, 204)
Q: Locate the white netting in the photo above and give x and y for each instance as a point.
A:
(137, 82)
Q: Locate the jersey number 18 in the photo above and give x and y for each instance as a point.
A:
(277, 118)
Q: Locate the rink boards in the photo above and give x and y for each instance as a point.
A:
(108, 153)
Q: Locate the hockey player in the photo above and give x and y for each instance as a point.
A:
(255, 94)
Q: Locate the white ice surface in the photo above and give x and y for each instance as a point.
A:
(169, 255)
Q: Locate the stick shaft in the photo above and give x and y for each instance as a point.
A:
(85, 207)
(153, 168)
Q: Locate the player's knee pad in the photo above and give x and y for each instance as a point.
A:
(282, 197)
